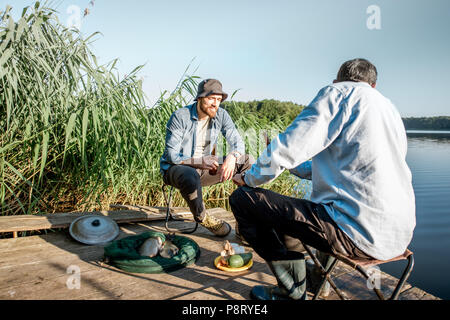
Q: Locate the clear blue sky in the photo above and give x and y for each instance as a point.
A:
(280, 49)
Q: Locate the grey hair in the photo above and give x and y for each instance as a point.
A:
(358, 70)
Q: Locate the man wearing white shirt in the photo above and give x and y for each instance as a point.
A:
(351, 142)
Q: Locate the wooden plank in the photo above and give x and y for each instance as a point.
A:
(63, 220)
(416, 294)
(38, 275)
(356, 286)
(36, 268)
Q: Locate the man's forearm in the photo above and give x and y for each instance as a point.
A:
(314, 129)
(193, 162)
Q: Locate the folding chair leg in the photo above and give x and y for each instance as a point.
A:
(170, 217)
(403, 278)
(367, 277)
(400, 283)
(327, 278)
(326, 274)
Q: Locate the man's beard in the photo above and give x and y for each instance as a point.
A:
(211, 112)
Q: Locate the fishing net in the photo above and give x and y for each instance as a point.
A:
(124, 254)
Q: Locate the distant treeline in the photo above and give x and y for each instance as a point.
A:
(427, 123)
(270, 111)
(266, 111)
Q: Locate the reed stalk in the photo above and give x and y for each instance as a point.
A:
(74, 135)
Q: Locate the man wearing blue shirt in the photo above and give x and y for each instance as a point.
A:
(189, 162)
(351, 142)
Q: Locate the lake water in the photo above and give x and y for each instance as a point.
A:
(429, 160)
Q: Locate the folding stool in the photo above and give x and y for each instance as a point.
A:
(169, 216)
(361, 265)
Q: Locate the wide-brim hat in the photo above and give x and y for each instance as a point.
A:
(208, 87)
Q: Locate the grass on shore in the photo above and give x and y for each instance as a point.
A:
(75, 136)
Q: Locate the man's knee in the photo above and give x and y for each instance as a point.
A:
(234, 197)
(183, 178)
(190, 183)
(239, 195)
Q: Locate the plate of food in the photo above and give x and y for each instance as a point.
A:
(236, 263)
(233, 260)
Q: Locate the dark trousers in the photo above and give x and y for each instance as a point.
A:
(190, 182)
(267, 219)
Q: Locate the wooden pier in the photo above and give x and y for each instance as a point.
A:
(48, 267)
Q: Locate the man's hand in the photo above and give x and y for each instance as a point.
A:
(210, 163)
(203, 163)
(227, 169)
(238, 180)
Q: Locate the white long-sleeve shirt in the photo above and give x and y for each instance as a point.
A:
(357, 142)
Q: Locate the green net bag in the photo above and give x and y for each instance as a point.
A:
(124, 254)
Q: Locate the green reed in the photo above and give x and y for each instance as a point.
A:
(74, 135)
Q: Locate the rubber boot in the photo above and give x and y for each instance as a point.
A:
(290, 275)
